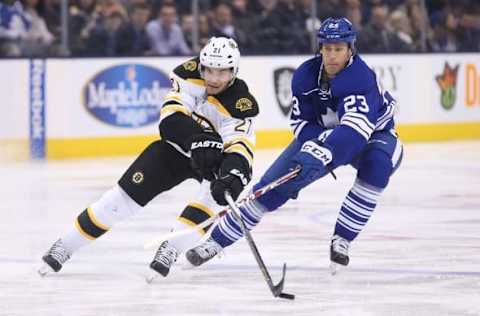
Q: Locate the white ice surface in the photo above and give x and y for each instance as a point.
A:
(419, 254)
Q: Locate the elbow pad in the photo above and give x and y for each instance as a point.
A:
(179, 129)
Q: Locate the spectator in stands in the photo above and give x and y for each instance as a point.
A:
(309, 26)
(82, 20)
(327, 8)
(223, 25)
(279, 30)
(203, 30)
(13, 28)
(182, 6)
(419, 19)
(36, 41)
(104, 39)
(402, 41)
(446, 34)
(166, 36)
(353, 12)
(133, 36)
(376, 37)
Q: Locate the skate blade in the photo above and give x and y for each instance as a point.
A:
(186, 265)
(44, 270)
(151, 277)
(336, 268)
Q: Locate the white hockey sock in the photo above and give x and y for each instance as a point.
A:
(187, 241)
(114, 205)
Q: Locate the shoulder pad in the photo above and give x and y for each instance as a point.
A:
(189, 69)
(238, 101)
(356, 78)
(305, 77)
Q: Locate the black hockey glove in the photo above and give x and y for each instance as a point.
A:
(232, 178)
(206, 154)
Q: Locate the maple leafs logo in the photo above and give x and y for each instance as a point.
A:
(447, 82)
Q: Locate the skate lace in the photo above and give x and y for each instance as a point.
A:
(59, 253)
(166, 254)
(340, 245)
(209, 249)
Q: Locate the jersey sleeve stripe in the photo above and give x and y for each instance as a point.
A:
(358, 124)
(198, 82)
(360, 117)
(245, 143)
(242, 150)
(357, 129)
(385, 118)
(173, 108)
(170, 97)
(298, 128)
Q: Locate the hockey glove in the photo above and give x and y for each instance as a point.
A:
(234, 175)
(313, 158)
(206, 154)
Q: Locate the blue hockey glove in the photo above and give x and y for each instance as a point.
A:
(313, 158)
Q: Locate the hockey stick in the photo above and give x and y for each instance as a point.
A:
(275, 289)
(154, 243)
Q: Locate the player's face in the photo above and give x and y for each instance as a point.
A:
(335, 57)
(216, 80)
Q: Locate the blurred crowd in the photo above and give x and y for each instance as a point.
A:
(273, 27)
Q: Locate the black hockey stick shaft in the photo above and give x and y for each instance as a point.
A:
(275, 289)
(252, 196)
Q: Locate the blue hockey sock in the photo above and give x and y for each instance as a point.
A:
(356, 209)
(271, 200)
(228, 230)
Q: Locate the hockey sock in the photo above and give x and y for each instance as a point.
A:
(193, 214)
(356, 209)
(228, 229)
(114, 206)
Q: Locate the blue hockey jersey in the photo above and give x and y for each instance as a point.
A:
(348, 108)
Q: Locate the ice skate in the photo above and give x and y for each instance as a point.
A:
(54, 259)
(338, 254)
(165, 257)
(204, 252)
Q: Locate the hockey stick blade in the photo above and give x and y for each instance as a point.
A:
(275, 289)
(287, 296)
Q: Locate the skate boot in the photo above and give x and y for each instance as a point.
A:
(165, 257)
(204, 252)
(54, 259)
(338, 254)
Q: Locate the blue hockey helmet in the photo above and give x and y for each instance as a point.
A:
(335, 30)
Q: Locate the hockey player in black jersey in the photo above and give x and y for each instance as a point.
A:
(206, 133)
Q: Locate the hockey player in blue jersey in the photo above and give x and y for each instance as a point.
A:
(339, 117)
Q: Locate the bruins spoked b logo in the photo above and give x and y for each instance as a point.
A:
(137, 177)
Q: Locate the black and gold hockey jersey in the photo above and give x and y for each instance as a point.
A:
(229, 113)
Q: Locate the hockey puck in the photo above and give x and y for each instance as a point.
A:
(287, 296)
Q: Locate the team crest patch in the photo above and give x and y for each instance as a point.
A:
(137, 177)
(244, 104)
(190, 65)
